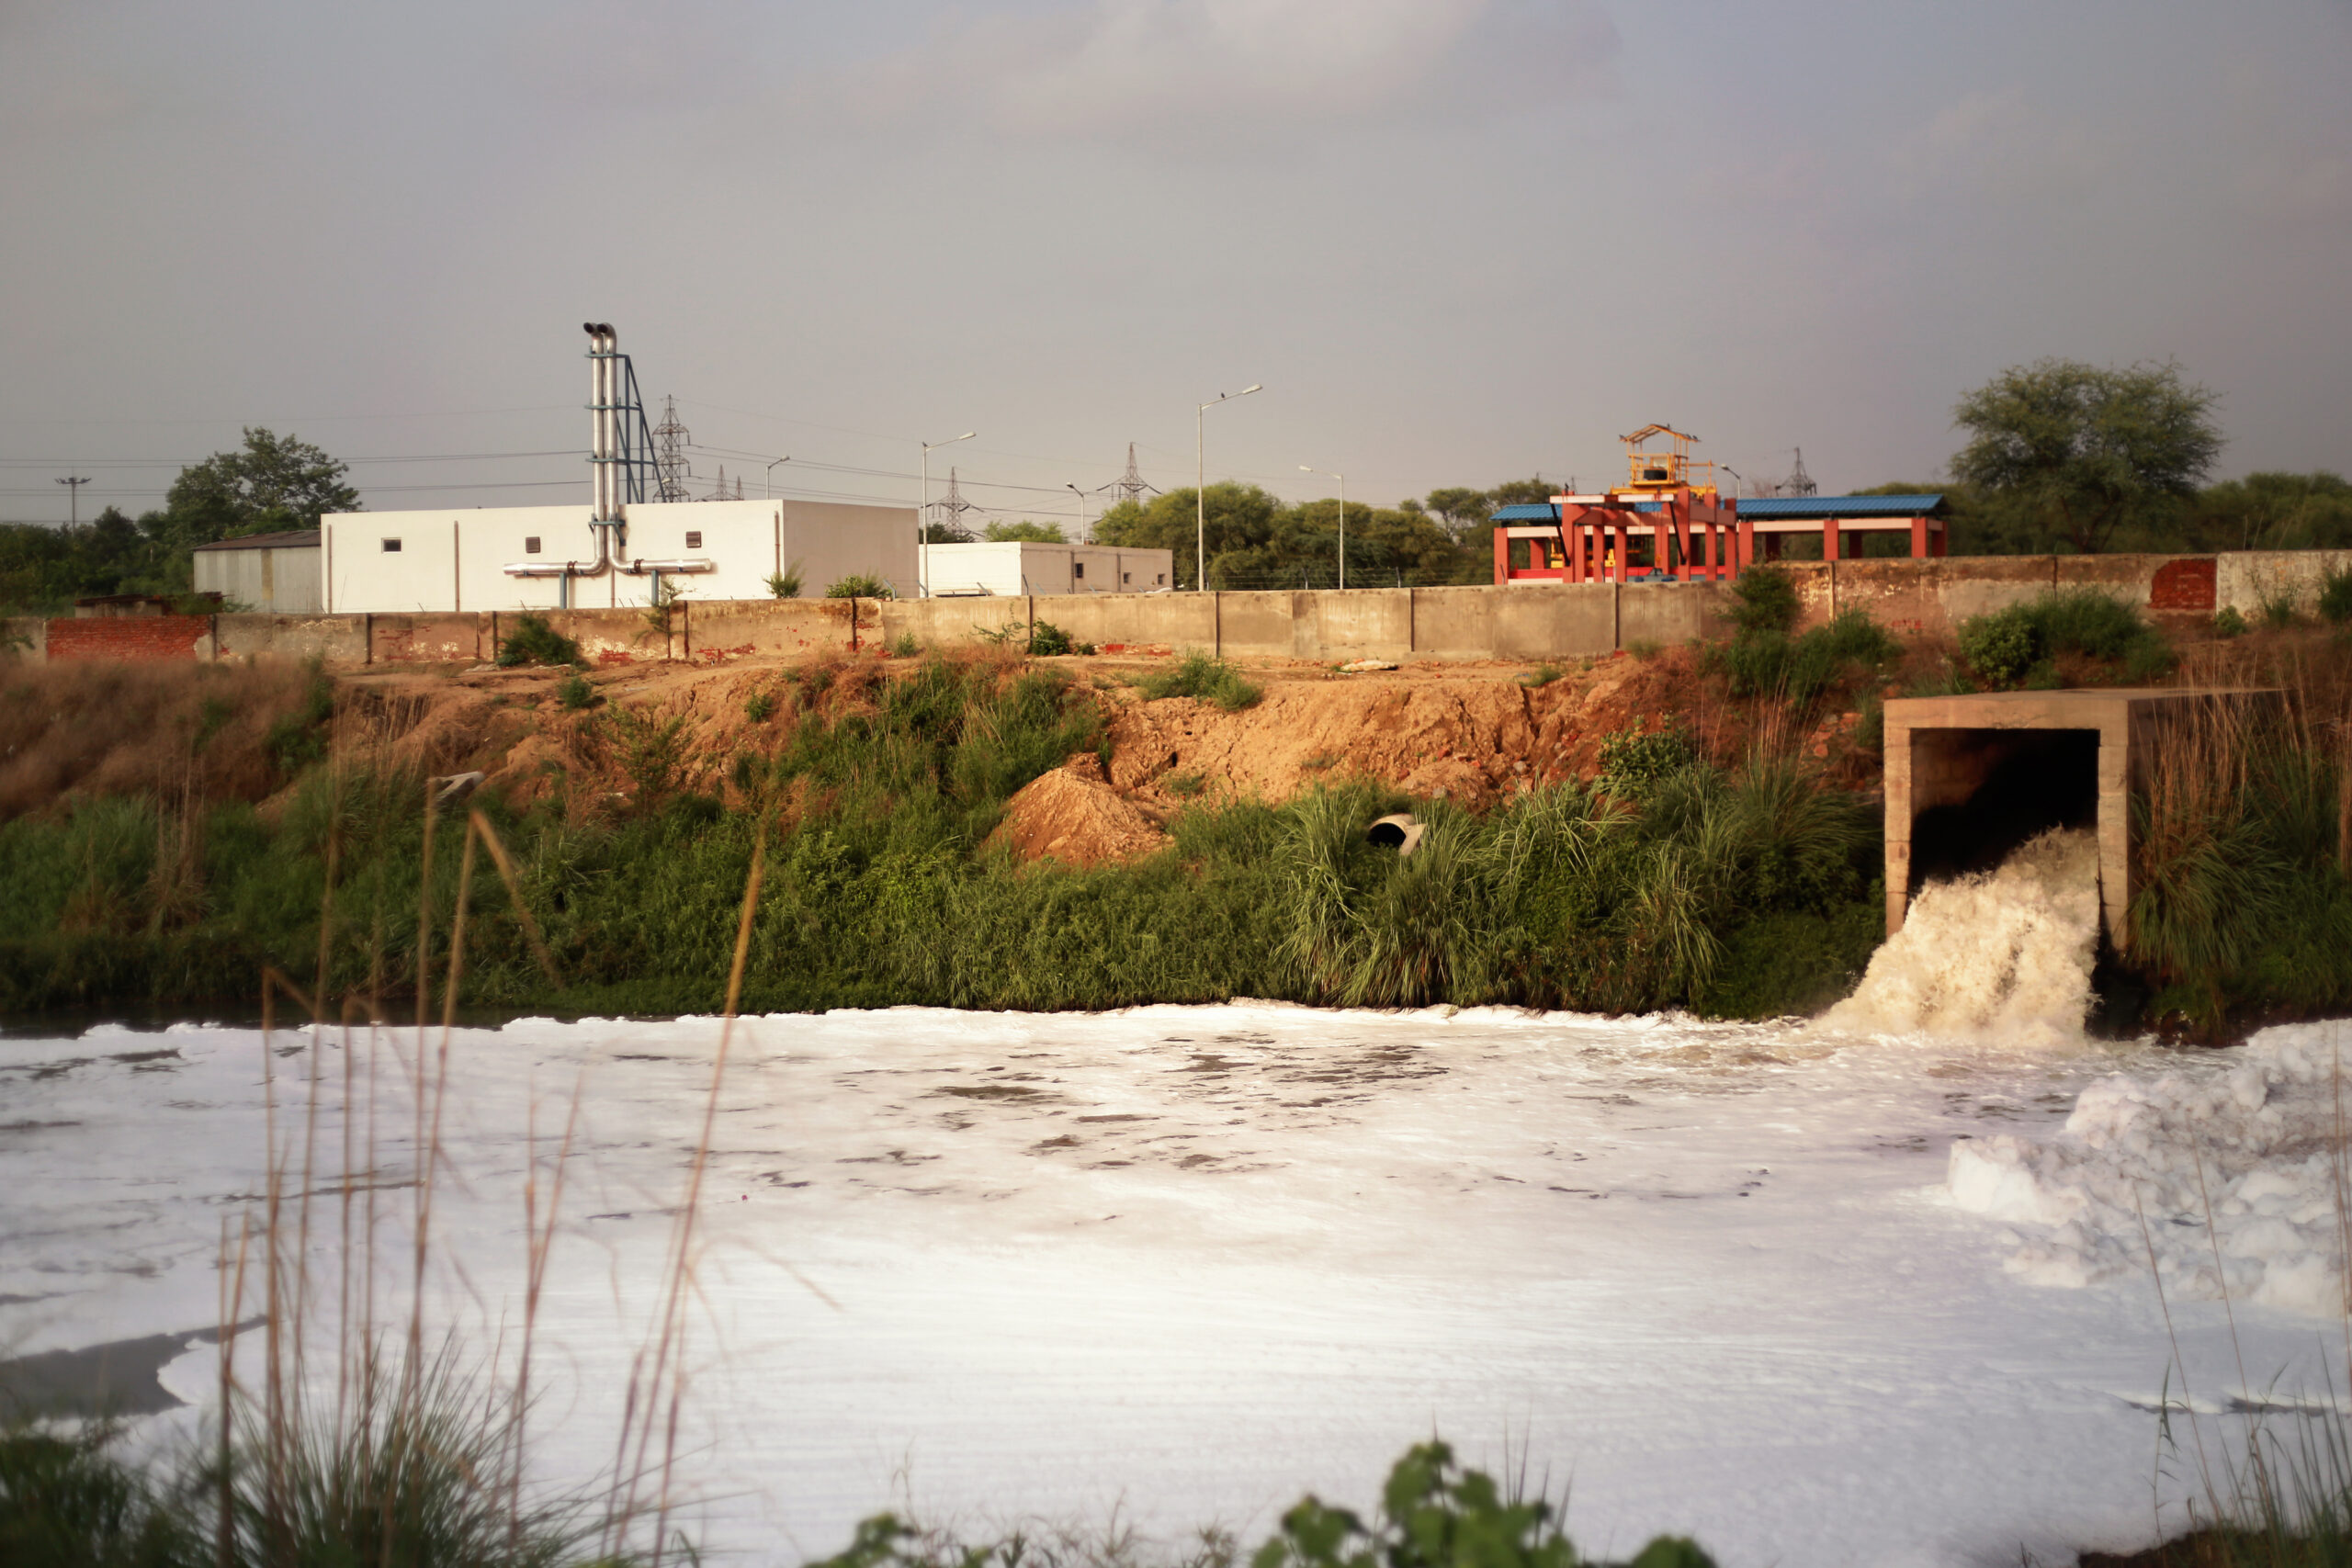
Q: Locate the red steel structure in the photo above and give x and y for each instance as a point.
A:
(1670, 509)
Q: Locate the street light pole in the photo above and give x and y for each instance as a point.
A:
(1311, 468)
(1082, 511)
(1200, 484)
(922, 545)
(74, 490)
(769, 488)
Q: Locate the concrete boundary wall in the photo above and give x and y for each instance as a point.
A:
(1527, 621)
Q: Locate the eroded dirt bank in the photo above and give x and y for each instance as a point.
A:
(1470, 732)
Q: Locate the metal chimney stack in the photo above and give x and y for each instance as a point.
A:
(603, 401)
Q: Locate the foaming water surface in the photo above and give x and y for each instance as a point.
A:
(1186, 1263)
(2003, 955)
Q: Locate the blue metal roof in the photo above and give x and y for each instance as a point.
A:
(1797, 508)
(1802, 507)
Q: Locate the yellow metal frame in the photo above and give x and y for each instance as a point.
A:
(1673, 469)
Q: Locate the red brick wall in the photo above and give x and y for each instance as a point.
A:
(2183, 585)
(128, 639)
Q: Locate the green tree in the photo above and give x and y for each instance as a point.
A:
(2083, 451)
(1240, 517)
(1464, 509)
(274, 483)
(2271, 512)
(1522, 492)
(1024, 532)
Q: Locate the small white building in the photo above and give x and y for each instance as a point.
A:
(1022, 566)
(276, 573)
(548, 557)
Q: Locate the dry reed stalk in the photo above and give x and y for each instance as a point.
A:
(2188, 1403)
(429, 1152)
(644, 1397)
(541, 1244)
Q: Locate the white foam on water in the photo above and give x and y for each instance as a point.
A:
(2221, 1173)
(2002, 955)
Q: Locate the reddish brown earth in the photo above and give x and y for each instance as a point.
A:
(1470, 732)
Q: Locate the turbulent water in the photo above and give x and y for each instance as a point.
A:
(2004, 954)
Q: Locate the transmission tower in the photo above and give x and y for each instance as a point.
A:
(1799, 482)
(670, 439)
(951, 507)
(1130, 486)
(720, 491)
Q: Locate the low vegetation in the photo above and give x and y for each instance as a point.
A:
(533, 641)
(1212, 681)
(2024, 644)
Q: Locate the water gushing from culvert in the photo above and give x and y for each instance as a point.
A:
(2005, 953)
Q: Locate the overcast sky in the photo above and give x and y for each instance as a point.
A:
(1458, 240)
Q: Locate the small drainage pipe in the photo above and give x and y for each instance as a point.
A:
(1400, 831)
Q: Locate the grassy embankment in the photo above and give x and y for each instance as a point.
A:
(1744, 890)
(1741, 886)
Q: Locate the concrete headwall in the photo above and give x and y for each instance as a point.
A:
(1530, 622)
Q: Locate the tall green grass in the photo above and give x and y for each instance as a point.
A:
(885, 889)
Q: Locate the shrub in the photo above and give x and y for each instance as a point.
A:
(858, 585)
(66, 1501)
(786, 584)
(2227, 622)
(1801, 669)
(758, 705)
(2335, 595)
(1046, 639)
(2021, 643)
(1764, 599)
(1209, 679)
(533, 641)
(1999, 647)
(1435, 1515)
(652, 753)
(1632, 761)
(573, 692)
(903, 646)
(1542, 675)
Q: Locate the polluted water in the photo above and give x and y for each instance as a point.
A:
(1784, 1287)
(2003, 955)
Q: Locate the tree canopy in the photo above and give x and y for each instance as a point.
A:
(2079, 452)
(270, 484)
(1024, 532)
(274, 483)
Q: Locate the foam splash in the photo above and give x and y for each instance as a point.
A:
(2221, 1174)
(2004, 954)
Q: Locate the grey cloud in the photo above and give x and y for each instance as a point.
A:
(1145, 68)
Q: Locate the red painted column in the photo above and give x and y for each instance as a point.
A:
(1829, 542)
(1502, 554)
(1918, 538)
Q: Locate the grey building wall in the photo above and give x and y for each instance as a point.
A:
(280, 580)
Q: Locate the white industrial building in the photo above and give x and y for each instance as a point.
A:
(1022, 566)
(275, 574)
(549, 558)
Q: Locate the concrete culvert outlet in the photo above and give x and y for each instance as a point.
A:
(1400, 831)
(1968, 779)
